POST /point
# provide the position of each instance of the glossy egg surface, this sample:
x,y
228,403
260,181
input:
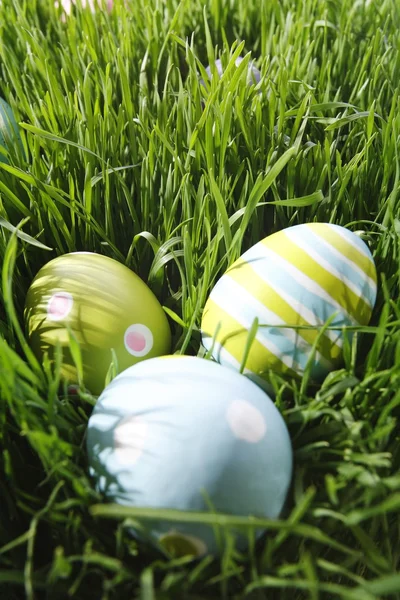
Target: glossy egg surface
x,y
105,305
176,432
304,275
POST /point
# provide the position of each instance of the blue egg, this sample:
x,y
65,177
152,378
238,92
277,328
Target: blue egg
x,y
181,432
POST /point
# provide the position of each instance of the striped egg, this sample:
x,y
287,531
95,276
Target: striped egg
x,y
304,275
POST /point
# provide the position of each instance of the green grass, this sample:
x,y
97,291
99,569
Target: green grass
x,y
121,159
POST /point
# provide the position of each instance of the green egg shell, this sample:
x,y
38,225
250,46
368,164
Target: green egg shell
x,y
105,305
9,132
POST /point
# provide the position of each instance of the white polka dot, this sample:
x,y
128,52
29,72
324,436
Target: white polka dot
x,y
59,306
138,340
129,440
246,421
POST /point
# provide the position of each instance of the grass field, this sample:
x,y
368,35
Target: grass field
x,y
127,155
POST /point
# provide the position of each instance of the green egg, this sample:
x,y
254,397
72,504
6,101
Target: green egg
x,y
104,305
9,132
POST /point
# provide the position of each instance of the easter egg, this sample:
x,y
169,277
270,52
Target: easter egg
x,y
105,305
184,433
253,75
302,276
9,132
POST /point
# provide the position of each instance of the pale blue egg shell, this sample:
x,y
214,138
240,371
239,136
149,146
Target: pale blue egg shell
x,y
189,425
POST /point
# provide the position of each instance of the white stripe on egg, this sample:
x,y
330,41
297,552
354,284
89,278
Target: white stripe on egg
x,y
222,355
298,238
308,283
239,299
351,239
308,315
370,282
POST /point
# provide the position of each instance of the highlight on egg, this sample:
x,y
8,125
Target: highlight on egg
x,y
303,276
104,305
184,433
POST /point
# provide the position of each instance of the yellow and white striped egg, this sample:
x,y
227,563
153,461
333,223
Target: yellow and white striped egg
x,y
304,275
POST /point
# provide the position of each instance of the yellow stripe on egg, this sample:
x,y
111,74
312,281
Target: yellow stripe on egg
x,y
334,287
233,336
273,301
345,247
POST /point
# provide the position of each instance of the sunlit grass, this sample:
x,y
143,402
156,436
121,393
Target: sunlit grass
x,y
129,156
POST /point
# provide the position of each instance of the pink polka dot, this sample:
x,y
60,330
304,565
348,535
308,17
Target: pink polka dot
x,y
136,341
59,306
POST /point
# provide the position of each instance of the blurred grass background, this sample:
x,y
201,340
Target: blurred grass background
x,y
126,154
